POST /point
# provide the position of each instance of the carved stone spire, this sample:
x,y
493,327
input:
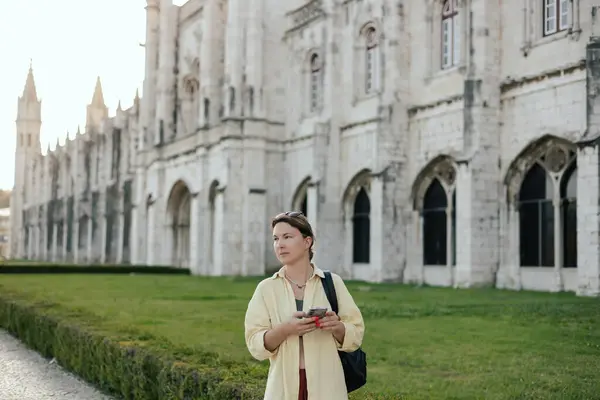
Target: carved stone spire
x,y
29,91
98,97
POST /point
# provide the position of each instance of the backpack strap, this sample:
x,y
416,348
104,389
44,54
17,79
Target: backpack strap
x,y
329,288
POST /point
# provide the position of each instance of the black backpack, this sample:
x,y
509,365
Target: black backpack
x,y
355,363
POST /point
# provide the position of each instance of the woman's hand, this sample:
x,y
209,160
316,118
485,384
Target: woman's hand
x,y
332,323
300,325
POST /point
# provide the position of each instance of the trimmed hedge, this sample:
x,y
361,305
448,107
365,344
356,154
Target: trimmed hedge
x,y
133,366
23,268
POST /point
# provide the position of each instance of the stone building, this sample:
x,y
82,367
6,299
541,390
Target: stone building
x,y
74,204
444,142
4,233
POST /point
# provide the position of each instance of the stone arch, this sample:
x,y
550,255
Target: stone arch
x,y
179,219
361,179
443,168
552,152
541,185
434,197
308,57
357,216
365,24
300,198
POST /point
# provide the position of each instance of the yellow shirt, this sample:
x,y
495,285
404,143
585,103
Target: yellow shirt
x,y
273,303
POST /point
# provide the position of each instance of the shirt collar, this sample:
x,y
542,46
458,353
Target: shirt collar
x,y
316,271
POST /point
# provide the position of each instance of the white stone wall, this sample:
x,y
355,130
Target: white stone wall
x,y
552,107
435,131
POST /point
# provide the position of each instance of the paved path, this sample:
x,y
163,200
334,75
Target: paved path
x,y
25,375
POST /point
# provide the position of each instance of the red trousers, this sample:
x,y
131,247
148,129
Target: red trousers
x,y
303,392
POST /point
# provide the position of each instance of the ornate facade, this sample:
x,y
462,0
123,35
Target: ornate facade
x,y
444,142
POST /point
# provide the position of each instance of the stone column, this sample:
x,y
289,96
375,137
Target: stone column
x,y
20,236
168,232
312,205
37,242
75,236
54,242
195,228
120,219
164,127
150,234
209,238
389,223
588,179
209,53
135,248
28,235
234,56
477,225
477,189
254,246
588,224
103,240
377,235
513,259
90,239
147,111
558,241
31,244
253,59
138,219
416,270
45,255
219,242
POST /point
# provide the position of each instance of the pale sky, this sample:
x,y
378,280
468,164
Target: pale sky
x,y
70,42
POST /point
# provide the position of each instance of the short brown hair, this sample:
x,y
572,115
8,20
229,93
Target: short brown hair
x,y
298,221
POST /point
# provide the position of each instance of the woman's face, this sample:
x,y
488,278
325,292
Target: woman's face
x,y
289,244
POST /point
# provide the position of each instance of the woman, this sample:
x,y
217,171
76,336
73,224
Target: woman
x,y
303,351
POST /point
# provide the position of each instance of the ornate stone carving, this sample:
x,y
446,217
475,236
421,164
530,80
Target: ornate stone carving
x,y
305,14
555,155
446,172
442,169
555,159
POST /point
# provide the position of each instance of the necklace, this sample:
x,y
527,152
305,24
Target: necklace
x,y
296,283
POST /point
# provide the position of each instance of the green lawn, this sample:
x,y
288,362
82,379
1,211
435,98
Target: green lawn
x,y
422,343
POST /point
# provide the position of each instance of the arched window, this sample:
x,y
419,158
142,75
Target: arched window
x,y
546,201
181,245
300,198
179,204
451,34
536,214
434,196
435,225
315,82
568,200
371,61
361,228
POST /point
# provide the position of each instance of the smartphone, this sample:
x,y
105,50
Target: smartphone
x,y
317,312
